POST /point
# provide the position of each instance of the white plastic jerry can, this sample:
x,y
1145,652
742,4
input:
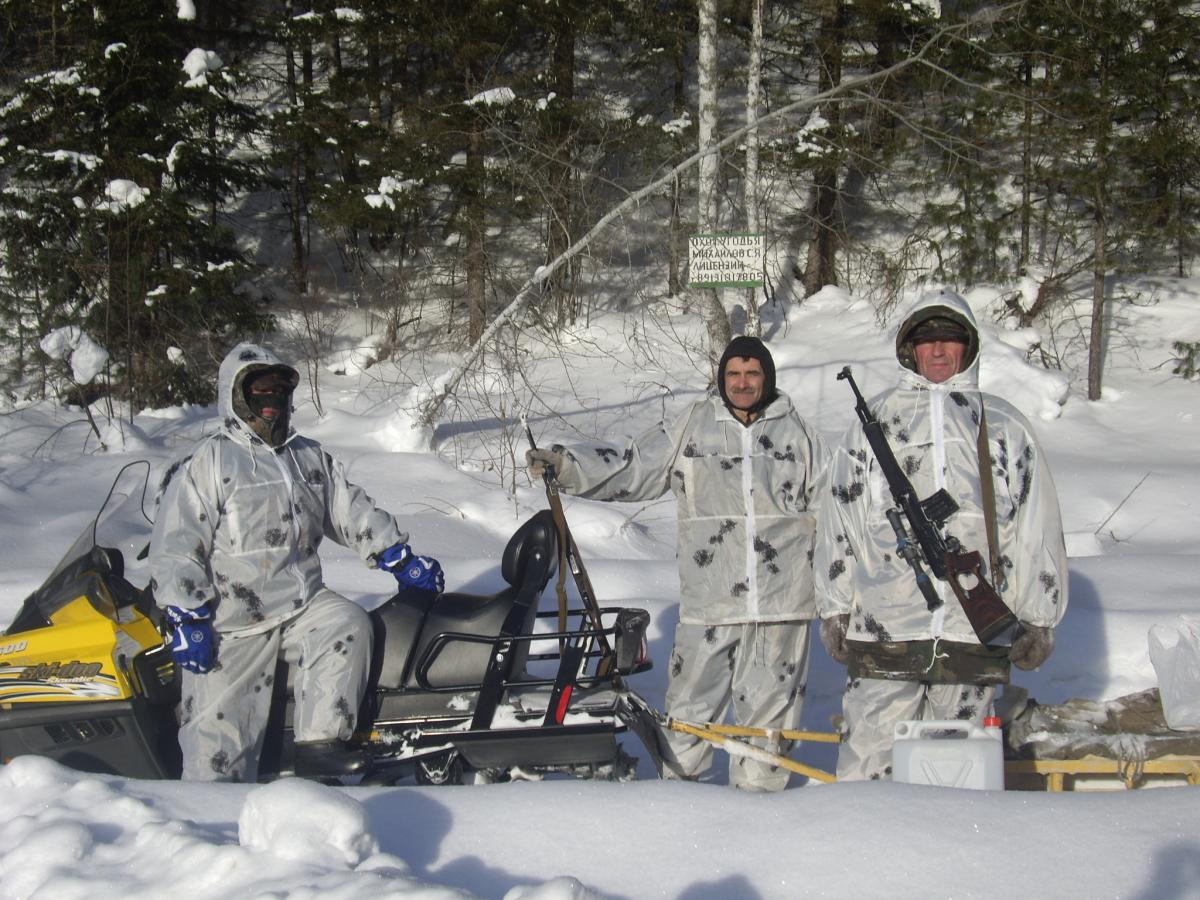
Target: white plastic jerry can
x,y
949,753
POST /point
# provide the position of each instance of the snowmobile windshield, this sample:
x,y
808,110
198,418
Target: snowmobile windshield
x,y
121,525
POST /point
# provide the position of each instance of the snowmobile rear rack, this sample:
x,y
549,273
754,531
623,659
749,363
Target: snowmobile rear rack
x,y
627,634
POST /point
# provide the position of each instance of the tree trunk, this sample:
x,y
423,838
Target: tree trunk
x,y
1097,336
716,320
821,266
334,47
889,38
476,226
753,90
562,283
677,237
1026,163
708,113
296,211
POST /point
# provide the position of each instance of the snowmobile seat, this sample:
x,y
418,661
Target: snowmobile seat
x,y
396,625
413,629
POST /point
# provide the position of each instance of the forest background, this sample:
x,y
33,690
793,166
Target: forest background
x,y
476,209
178,174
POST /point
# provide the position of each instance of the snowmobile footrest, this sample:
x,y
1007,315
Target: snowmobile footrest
x,y
546,745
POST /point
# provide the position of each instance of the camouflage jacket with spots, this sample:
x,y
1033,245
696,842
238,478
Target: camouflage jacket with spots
x,y
746,505
239,523
933,430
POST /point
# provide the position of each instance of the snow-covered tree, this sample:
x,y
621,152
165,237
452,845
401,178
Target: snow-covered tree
x,y
116,162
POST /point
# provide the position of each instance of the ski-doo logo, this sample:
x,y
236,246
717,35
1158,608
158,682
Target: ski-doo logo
x,y
16,647
57,671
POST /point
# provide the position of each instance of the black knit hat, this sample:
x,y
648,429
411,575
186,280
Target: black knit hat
x,y
746,347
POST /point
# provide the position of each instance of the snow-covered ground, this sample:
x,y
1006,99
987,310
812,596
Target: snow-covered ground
x,y
1126,471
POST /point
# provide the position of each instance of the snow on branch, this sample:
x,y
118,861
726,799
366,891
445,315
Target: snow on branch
x,y
197,64
501,96
73,345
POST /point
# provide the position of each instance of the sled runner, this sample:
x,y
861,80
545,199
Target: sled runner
x,y
461,685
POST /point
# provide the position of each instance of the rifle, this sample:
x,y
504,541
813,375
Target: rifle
x,y
568,554
946,559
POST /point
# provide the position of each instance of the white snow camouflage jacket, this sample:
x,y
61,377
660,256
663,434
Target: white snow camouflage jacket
x,y
933,431
239,522
746,505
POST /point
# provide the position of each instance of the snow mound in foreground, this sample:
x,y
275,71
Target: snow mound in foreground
x,y
562,888
305,821
74,834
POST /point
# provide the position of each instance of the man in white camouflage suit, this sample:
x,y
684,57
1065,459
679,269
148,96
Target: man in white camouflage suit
x,y
909,657
742,465
236,571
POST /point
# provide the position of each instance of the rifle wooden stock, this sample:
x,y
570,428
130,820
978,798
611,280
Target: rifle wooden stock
x,y
986,612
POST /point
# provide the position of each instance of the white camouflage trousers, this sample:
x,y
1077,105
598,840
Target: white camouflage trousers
x,y
223,714
759,668
871,707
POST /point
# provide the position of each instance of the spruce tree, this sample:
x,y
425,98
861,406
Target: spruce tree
x,y
117,163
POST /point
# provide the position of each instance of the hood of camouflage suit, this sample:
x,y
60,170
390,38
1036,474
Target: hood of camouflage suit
x,y
941,302
238,363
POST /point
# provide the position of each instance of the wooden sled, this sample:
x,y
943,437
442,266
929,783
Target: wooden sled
x,y
1101,773
1121,744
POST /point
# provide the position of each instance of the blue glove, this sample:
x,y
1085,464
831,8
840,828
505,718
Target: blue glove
x,y
192,643
424,573
411,571
395,556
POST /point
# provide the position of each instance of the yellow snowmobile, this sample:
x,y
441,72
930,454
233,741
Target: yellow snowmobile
x,y
455,685
84,675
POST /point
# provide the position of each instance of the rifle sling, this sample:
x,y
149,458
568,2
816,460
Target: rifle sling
x,y
988,488
564,535
568,558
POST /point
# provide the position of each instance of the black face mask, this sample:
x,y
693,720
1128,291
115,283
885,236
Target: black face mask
x,y
268,396
269,404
